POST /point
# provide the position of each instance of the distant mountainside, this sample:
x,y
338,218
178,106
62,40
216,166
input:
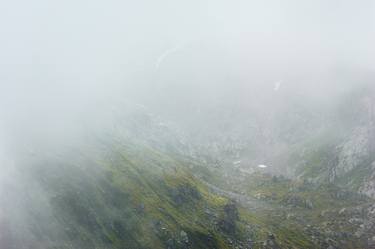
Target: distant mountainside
x,y
326,140
343,151
146,182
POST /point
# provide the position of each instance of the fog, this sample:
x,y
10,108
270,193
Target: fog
x,y
67,67
66,64
63,62
60,58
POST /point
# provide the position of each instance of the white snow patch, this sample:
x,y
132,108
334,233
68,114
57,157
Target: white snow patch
x,y
262,166
236,162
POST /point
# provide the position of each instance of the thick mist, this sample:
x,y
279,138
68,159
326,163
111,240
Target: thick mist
x,y
58,60
223,73
65,67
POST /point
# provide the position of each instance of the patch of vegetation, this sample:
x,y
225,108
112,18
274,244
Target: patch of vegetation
x,y
123,198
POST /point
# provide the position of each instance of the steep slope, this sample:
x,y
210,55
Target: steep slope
x,y
325,139
343,153
143,182
110,196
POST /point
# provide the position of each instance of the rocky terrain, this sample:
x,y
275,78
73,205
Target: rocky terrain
x,y
145,183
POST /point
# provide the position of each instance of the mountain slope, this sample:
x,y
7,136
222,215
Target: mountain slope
x,y
114,197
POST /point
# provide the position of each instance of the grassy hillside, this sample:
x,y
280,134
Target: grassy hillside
x,y
125,197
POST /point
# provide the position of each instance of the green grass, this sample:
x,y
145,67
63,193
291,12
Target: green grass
x,y
129,197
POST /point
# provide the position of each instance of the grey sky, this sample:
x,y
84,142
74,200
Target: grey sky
x,y
60,58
